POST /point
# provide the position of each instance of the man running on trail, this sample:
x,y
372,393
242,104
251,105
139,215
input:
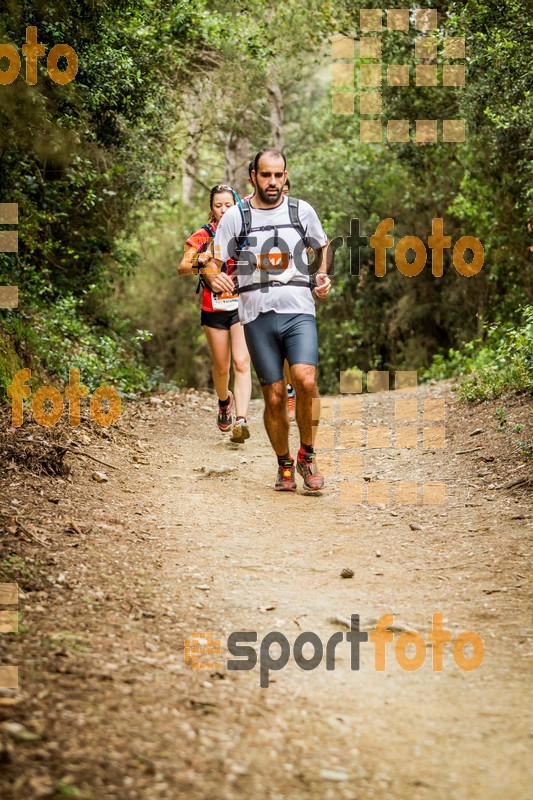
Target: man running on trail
x,y
270,235
291,394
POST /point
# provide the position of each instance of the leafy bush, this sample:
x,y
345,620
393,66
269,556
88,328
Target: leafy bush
x,y
62,339
501,363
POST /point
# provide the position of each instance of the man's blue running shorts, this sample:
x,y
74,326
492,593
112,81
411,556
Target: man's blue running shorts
x,y
272,338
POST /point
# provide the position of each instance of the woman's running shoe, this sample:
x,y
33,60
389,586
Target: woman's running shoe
x,y
240,431
285,482
306,466
224,416
291,402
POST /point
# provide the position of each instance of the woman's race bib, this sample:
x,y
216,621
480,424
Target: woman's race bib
x,y
225,301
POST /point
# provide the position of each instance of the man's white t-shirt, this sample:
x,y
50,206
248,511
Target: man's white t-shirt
x,y
289,299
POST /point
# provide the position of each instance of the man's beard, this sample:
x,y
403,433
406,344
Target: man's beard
x,y
271,199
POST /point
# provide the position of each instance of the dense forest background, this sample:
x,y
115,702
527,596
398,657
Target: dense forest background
x,y
112,171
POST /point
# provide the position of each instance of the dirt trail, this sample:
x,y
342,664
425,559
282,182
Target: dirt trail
x,y
168,546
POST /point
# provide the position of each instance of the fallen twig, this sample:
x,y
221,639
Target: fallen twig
x,y
87,455
216,471
462,563
512,483
449,566
32,536
471,450
296,620
340,621
75,527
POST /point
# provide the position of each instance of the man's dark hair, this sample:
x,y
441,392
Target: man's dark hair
x,y
250,168
271,152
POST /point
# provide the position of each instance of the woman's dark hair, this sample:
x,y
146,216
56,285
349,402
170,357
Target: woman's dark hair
x,y
272,152
219,189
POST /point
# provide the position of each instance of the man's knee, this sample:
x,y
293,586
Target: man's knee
x,y
274,395
305,381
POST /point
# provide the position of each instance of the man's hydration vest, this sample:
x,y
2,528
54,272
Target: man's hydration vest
x,y
272,268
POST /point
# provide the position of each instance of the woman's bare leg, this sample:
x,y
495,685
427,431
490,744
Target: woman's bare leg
x,y
242,388
219,345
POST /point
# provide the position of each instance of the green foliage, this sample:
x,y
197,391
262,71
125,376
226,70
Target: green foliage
x,y
526,448
60,337
10,361
64,789
479,188
501,416
176,89
78,159
454,362
499,365
166,304
68,155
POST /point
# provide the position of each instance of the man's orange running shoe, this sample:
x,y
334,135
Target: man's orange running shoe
x,y
313,480
285,482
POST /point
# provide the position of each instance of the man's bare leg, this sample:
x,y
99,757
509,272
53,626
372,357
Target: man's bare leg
x,y
304,381
275,416
303,378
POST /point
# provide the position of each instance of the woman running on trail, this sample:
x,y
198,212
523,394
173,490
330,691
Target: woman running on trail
x,y
220,321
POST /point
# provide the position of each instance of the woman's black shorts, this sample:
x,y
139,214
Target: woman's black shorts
x,y
219,319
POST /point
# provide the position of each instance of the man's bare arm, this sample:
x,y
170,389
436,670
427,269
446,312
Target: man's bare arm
x,y
324,259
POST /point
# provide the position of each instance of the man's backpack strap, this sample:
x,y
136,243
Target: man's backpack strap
x,y
246,224
294,217
246,214
310,284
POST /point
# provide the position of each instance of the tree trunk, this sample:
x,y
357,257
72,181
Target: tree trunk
x,y
237,159
190,163
276,114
